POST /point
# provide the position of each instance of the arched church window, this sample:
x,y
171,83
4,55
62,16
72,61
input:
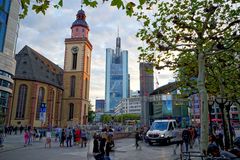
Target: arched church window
x,y
71,110
86,88
41,93
72,86
74,61
21,104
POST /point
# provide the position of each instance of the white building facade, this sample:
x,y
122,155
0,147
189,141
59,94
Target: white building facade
x,y
129,106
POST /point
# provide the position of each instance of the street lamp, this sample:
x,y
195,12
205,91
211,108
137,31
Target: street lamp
x,y
221,101
227,107
210,105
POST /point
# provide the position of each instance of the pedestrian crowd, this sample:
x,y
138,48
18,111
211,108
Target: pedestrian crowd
x,y
190,135
103,144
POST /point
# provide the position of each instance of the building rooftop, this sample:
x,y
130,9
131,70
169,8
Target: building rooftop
x,y
33,66
165,89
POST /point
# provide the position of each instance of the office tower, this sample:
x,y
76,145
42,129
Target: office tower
x,y
117,78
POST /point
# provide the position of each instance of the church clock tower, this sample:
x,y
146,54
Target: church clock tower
x,y
76,76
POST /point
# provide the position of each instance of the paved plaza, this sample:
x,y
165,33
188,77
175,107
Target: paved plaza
x,y
125,150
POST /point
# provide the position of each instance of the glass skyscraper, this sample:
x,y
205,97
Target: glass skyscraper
x,y
9,21
117,78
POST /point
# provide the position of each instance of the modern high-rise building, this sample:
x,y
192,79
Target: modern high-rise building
x,y
146,88
100,103
146,78
76,78
9,24
117,78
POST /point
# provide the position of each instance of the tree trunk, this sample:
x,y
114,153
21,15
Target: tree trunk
x,y
204,102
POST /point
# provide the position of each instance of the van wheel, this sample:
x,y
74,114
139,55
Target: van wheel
x,y
168,141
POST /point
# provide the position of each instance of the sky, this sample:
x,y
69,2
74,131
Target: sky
x,y
46,35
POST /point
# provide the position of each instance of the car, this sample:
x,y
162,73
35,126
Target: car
x,y
161,131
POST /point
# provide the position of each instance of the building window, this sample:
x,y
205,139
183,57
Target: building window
x,y
87,64
21,104
4,99
72,86
4,11
71,110
5,83
40,100
86,88
74,61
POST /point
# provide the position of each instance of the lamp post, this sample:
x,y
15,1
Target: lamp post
x,y
227,107
210,105
221,101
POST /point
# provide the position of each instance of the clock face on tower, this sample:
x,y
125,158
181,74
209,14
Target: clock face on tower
x,y
74,49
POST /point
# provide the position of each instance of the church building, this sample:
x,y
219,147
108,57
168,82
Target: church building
x,y
64,92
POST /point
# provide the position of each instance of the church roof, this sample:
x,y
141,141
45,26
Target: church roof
x,y
31,65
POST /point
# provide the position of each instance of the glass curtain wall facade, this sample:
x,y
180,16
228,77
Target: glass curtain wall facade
x,y
117,82
9,11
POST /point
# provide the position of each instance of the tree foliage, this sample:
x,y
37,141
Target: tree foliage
x,y
91,114
193,37
41,6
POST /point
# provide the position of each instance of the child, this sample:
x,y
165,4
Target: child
x,y
48,139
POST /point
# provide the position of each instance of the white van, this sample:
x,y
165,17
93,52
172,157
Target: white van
x,y
161,131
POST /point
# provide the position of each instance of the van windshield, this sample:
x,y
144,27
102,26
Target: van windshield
x,y
161,126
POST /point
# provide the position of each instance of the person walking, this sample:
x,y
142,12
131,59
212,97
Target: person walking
x,y
178,140
137,139
102,145
192,136
96,151
108,148
83,138
26,137
48,139
186,138
69,137
21,129
63,138
77,136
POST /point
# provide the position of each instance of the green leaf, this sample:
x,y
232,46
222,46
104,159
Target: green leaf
x,y
90,3
118,3
142,2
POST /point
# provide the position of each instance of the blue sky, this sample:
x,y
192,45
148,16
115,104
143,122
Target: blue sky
x,y
46,35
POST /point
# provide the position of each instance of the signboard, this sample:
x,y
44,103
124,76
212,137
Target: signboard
x,y
167,105
43,109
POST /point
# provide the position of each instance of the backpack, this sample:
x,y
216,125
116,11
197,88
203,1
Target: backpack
x,y
185,135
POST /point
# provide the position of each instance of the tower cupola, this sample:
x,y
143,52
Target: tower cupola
x,y
80,27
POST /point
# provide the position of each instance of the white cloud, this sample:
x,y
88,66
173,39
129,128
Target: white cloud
x,y
46,34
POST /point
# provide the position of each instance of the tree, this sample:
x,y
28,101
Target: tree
x,y
106,118
197,29
41,6
91,114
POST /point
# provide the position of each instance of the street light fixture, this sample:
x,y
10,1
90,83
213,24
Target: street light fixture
x,y
210,105
221,101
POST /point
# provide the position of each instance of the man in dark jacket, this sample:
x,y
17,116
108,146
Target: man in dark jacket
x,y
186,138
